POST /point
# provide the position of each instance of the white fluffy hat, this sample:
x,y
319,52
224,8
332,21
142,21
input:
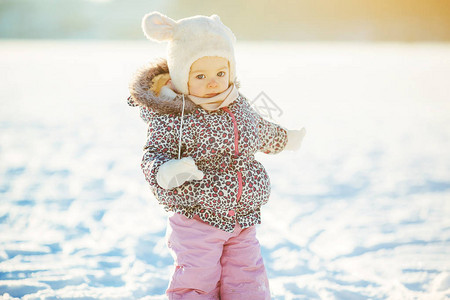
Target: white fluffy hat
x,y
190,39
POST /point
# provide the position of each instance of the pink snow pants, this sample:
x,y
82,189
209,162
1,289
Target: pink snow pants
x,y
214,264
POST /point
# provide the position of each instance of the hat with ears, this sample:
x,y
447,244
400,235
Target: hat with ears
x,y
188,40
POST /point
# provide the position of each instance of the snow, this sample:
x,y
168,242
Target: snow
x,y
361,211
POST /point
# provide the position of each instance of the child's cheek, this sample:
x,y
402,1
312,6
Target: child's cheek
x,y
196,90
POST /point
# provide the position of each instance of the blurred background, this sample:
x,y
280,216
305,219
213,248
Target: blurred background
x,y
317,20
360,212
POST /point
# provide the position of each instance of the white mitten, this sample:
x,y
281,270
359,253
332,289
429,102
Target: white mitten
x,y
177,171
294,139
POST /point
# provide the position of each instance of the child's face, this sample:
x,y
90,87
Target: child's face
x,y
209,76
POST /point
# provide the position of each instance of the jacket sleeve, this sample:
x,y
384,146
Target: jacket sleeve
x,y
161,146
272,137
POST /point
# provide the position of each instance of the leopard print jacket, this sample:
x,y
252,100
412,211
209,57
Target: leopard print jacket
x,y
222,143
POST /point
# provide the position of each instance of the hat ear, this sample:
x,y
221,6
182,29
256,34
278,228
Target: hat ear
x,y
158,27
228,31
216,18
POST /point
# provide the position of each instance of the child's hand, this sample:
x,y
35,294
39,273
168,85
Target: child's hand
x,y
294,138
177,171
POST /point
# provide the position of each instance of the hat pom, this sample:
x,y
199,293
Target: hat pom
x,y
158,27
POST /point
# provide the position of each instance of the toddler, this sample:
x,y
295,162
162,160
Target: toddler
x,y
199,159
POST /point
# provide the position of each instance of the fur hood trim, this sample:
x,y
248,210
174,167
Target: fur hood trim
x,y
141,95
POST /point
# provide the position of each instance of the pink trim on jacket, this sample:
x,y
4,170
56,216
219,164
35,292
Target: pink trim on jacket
x,y
236,150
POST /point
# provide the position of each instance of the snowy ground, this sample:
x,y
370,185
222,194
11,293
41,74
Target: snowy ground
x,y
361,212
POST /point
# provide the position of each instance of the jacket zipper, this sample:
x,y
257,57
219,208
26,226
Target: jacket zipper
x,y
236,151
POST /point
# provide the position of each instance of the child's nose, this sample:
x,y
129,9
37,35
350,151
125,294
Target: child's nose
x,y
212,83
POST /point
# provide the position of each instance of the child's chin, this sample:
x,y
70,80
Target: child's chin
x,y
210,95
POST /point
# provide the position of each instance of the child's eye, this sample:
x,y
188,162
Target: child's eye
x,y
201,76
221,74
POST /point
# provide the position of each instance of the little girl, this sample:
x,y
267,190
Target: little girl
x,y
199,159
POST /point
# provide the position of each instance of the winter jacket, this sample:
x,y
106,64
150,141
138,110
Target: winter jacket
x,y
222,143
